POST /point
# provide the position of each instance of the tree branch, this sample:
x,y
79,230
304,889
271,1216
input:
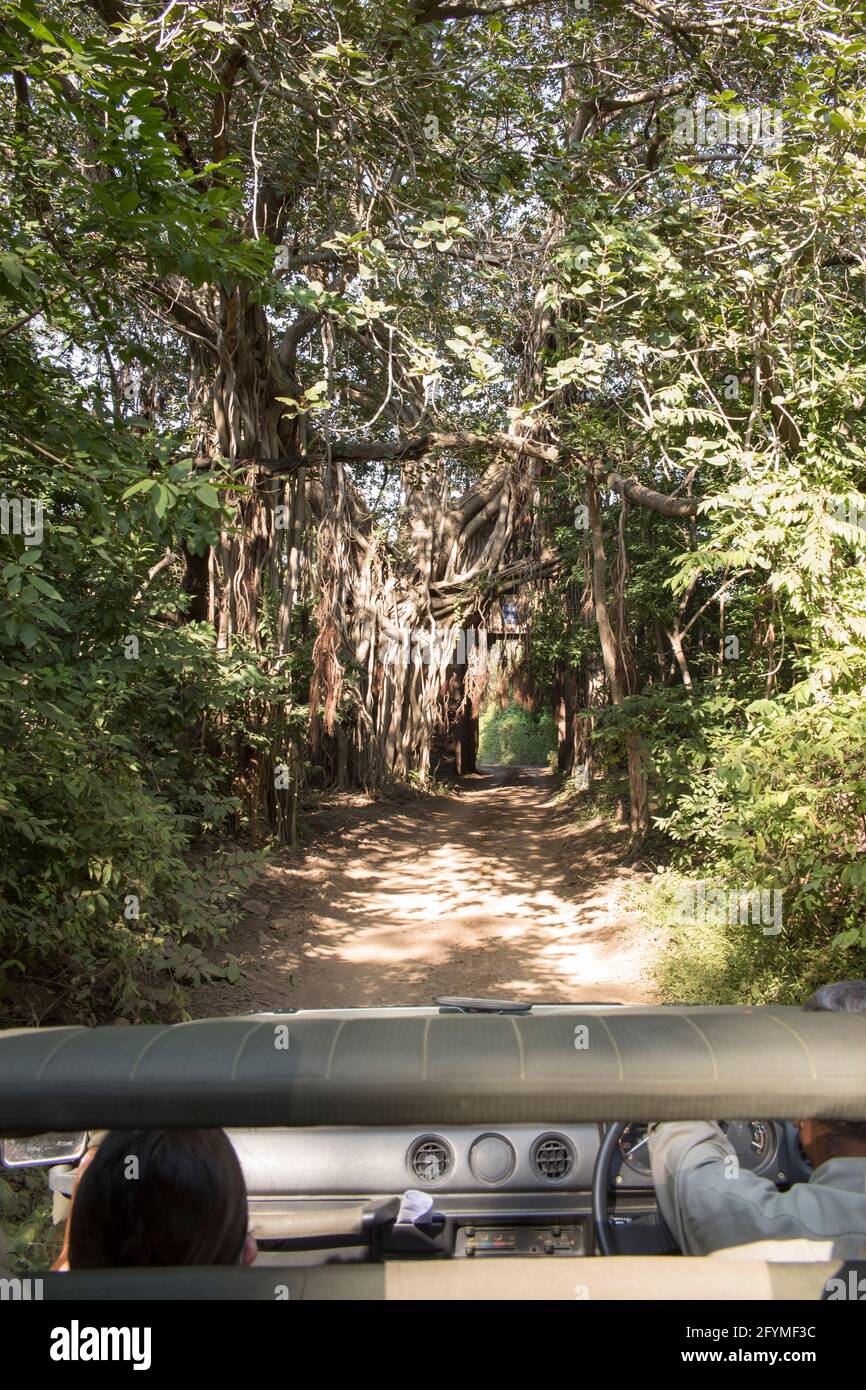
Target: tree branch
x,y
642,496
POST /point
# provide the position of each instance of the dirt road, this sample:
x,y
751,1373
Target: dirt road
x,y
491,892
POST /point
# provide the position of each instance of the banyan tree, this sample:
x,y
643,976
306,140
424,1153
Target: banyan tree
x,y
392,366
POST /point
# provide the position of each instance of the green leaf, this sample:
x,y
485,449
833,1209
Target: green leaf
x,y
143,485
209,495
12,267
45,588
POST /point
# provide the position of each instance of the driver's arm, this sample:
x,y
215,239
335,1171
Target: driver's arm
x,y
707,1199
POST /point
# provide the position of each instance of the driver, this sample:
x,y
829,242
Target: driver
x,y
693,1164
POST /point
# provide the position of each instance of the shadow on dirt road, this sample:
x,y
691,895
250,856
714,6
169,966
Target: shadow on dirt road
x,y
491,892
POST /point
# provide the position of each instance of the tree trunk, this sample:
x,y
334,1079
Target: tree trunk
x,y
637,780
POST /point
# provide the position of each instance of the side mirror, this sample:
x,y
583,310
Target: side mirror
x,y
42,1149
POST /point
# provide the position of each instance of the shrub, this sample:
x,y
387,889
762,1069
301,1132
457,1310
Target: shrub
x,y
115,781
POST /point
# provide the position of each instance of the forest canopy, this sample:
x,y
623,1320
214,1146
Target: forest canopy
x,y
328,330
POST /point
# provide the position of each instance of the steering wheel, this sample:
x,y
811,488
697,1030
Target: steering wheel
x,y
656,1235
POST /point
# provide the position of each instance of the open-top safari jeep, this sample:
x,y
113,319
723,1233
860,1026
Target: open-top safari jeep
x,y
517,1131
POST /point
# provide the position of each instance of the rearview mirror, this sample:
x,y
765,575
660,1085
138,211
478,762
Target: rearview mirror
x,y
42,1149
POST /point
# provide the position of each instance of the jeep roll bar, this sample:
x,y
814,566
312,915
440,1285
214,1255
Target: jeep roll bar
x,y
639,1064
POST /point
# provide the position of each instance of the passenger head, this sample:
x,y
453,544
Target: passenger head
x,y
156,1197
823,1139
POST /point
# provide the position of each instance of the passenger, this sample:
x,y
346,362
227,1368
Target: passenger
x,y
158,1197
706,1210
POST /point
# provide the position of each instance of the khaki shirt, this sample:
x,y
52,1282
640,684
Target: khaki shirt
x,y
711,1203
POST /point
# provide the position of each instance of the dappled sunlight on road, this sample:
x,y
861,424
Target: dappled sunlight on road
x,y
494,891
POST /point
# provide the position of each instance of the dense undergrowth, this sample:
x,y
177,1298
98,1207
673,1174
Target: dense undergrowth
x,y
126,841
761,795
29,1241
131,747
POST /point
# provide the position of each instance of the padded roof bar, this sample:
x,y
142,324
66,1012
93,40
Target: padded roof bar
x,y
265,1070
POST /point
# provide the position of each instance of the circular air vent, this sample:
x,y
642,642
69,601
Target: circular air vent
x,y
430,1159
553,1157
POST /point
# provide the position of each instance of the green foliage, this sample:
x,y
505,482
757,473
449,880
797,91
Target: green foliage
x,y
702,962
783,804
558,642
710,337
121,730
110,773
515,737
125,735
32,1242
761,794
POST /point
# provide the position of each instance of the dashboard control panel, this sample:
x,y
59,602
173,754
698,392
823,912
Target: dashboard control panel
x,y
567,1239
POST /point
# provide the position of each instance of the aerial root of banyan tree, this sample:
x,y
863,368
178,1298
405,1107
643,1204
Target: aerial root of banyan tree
x,y
388,618
388,614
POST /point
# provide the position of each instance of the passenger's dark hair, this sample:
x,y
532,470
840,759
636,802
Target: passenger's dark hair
x,y
156,1197
842,997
